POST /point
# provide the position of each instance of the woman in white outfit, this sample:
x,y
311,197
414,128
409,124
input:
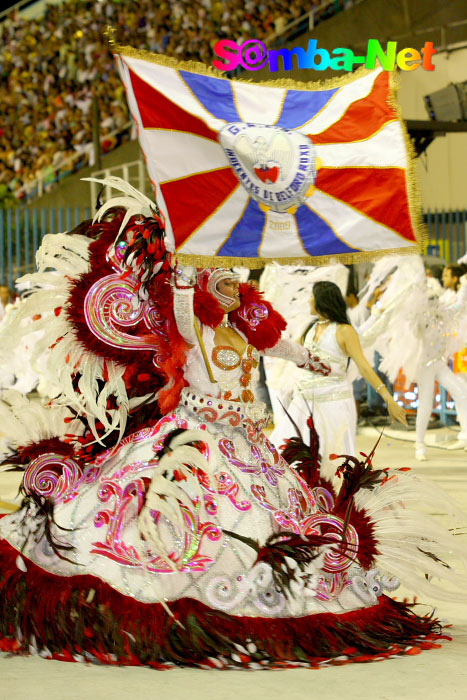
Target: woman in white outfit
x,y
330,399
443,326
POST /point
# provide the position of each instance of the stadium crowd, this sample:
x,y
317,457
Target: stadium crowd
x,y
51,67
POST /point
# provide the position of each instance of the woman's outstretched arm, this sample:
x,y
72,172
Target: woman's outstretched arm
x,y
349,341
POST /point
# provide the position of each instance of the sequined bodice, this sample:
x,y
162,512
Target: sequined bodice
x,y
234,374
237,371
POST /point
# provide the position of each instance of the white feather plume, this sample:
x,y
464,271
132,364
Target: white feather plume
x,y
24,421
166,496
135,202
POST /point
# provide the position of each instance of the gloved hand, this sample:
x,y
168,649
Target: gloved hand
x,y
185,276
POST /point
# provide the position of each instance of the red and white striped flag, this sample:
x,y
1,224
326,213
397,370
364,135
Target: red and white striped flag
x,y
246,171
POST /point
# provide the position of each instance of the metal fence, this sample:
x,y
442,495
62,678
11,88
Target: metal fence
x,y
22,229
447,232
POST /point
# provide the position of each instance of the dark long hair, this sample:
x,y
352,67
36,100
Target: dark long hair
x,y
329,303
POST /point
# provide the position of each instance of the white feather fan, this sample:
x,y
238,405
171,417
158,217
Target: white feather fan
x,y
411,543
24,421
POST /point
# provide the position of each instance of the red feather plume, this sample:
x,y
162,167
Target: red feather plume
x,y
269,330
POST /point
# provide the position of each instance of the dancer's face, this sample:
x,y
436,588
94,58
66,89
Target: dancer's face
x,y
313,309
449,280
313,306
229,288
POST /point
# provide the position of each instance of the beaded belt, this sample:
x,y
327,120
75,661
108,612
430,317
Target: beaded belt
x,y
213,410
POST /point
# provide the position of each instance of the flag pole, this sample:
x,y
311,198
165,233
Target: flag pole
x,y
203,351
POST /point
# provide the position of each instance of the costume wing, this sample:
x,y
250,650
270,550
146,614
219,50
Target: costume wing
x,y
99,330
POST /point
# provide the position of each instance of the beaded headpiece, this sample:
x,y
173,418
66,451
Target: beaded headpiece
x,y
213,278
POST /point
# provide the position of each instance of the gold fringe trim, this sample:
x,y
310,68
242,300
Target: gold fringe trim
x,y
202,261
413,189
203,69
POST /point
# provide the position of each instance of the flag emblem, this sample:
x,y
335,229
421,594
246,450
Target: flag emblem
x,y
276,166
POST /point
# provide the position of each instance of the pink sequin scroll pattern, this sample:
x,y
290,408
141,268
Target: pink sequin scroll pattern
x,y
52,475
113,302
253,314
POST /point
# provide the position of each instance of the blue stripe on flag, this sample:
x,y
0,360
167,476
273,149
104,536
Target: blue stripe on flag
x,y
317,236
302,105
245,239
215,94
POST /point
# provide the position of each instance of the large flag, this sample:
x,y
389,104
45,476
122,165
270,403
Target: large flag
x,y
253,172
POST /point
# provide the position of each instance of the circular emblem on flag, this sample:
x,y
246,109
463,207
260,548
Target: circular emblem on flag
x,y
276,166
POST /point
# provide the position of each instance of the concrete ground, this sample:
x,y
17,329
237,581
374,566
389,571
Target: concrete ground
x,y
433,675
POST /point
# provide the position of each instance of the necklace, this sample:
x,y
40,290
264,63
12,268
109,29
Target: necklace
x,y
225,322
321,323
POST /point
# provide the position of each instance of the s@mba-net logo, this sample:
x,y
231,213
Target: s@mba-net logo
x,y
253,55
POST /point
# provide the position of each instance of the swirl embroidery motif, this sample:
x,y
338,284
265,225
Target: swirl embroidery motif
x,y
226,486
112,304
259,467
253,314
128,502
57,477
298,519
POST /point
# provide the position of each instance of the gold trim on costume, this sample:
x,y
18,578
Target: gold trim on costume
x,y
222,365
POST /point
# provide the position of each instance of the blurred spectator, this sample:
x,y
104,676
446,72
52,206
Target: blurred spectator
x,y
51,67
6,298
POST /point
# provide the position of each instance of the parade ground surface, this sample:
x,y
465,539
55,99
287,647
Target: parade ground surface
x,y
434,674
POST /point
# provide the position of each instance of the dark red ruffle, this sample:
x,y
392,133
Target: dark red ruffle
x,y
32,450
268,331
81,617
